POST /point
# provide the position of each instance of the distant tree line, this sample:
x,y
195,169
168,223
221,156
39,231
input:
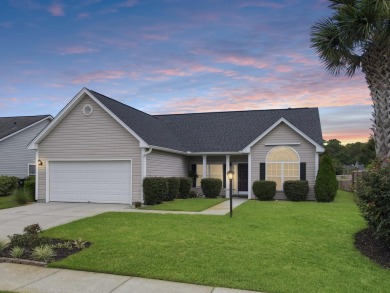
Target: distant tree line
x,y
350,154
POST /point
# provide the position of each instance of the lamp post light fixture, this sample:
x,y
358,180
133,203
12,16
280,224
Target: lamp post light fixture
x,y
230,175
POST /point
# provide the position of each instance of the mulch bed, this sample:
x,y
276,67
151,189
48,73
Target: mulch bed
x,y
377,250
61,253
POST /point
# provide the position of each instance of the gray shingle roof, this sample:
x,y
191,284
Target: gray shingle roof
x,y
214,131
10,125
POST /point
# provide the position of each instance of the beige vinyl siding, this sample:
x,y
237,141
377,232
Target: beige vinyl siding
x,y
96,137
14,155
283,134
165,164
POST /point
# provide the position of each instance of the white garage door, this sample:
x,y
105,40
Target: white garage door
x,y
90,181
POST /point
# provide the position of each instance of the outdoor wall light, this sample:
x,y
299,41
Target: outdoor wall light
x,y
230,175
40,163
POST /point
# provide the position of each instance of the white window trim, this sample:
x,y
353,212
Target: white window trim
x,y
282,167
28,169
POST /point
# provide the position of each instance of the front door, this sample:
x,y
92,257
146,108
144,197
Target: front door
x,y
242,177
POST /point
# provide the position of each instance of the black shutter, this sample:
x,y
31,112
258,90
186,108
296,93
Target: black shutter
x,y
262,171
193,171
224,176
303,171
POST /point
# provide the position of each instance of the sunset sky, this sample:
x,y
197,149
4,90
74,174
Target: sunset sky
x,y
175,56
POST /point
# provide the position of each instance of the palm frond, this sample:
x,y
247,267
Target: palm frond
x,y
335,4
334,54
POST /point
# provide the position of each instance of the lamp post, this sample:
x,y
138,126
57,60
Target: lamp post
x,y
230,175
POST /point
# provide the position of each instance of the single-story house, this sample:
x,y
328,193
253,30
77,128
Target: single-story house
x,y
15,134
99,150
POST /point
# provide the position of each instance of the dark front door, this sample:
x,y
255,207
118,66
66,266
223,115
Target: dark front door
x,y
243,177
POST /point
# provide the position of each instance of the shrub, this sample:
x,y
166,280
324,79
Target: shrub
x,y
43,253
7,185
185,187
22,196
17,252
155,190
211,187
29,239
33,229
3,245
264,190
193,194
373,192
173,188
326,182
29,185
296,190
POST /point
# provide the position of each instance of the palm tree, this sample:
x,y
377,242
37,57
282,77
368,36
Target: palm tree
x,y
357,36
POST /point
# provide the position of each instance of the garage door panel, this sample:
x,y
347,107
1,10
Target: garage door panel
x,y
92,181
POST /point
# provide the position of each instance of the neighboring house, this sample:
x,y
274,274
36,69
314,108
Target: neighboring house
x,y
15,134
99,150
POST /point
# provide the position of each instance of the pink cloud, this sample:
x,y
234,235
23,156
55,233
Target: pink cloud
x,y
155,37
243,61
101,76
56,9
83,15
76,50
128,3
255,3
283,68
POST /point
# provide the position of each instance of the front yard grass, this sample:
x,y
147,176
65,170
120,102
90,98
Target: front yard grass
x,y
188,205
267,246
8,201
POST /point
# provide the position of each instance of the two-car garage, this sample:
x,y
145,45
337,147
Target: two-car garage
x,y
89,181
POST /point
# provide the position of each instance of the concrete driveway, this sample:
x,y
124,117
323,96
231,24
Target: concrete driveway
x,y
48,215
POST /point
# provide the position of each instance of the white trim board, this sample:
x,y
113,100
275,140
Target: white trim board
x,y
69,107
27,127
319,149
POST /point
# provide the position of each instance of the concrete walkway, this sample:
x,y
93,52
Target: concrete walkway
x,y
30,279
220,209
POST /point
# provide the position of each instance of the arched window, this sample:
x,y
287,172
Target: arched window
x,y
282,164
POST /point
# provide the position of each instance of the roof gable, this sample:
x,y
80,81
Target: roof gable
x,y
200,132
10,126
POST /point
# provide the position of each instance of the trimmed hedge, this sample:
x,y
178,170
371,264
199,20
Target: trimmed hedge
x,y
193,194
373,191
155,190
173,188
29,185
264,190
211,187
326,182
296,190
7,184
185,187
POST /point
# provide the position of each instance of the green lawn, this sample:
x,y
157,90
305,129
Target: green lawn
x,y
267,246
188,205
8,202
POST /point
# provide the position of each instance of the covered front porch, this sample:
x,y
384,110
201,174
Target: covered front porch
x,y
216,166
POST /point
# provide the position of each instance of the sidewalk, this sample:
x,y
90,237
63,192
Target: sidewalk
x,y
220,209
31,279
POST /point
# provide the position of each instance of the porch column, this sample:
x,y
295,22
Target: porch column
x,y
227,179
249,176
204,166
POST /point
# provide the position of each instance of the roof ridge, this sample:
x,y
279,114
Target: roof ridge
x,y
119,102
221,112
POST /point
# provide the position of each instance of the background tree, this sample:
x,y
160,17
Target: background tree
x,y
357,36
